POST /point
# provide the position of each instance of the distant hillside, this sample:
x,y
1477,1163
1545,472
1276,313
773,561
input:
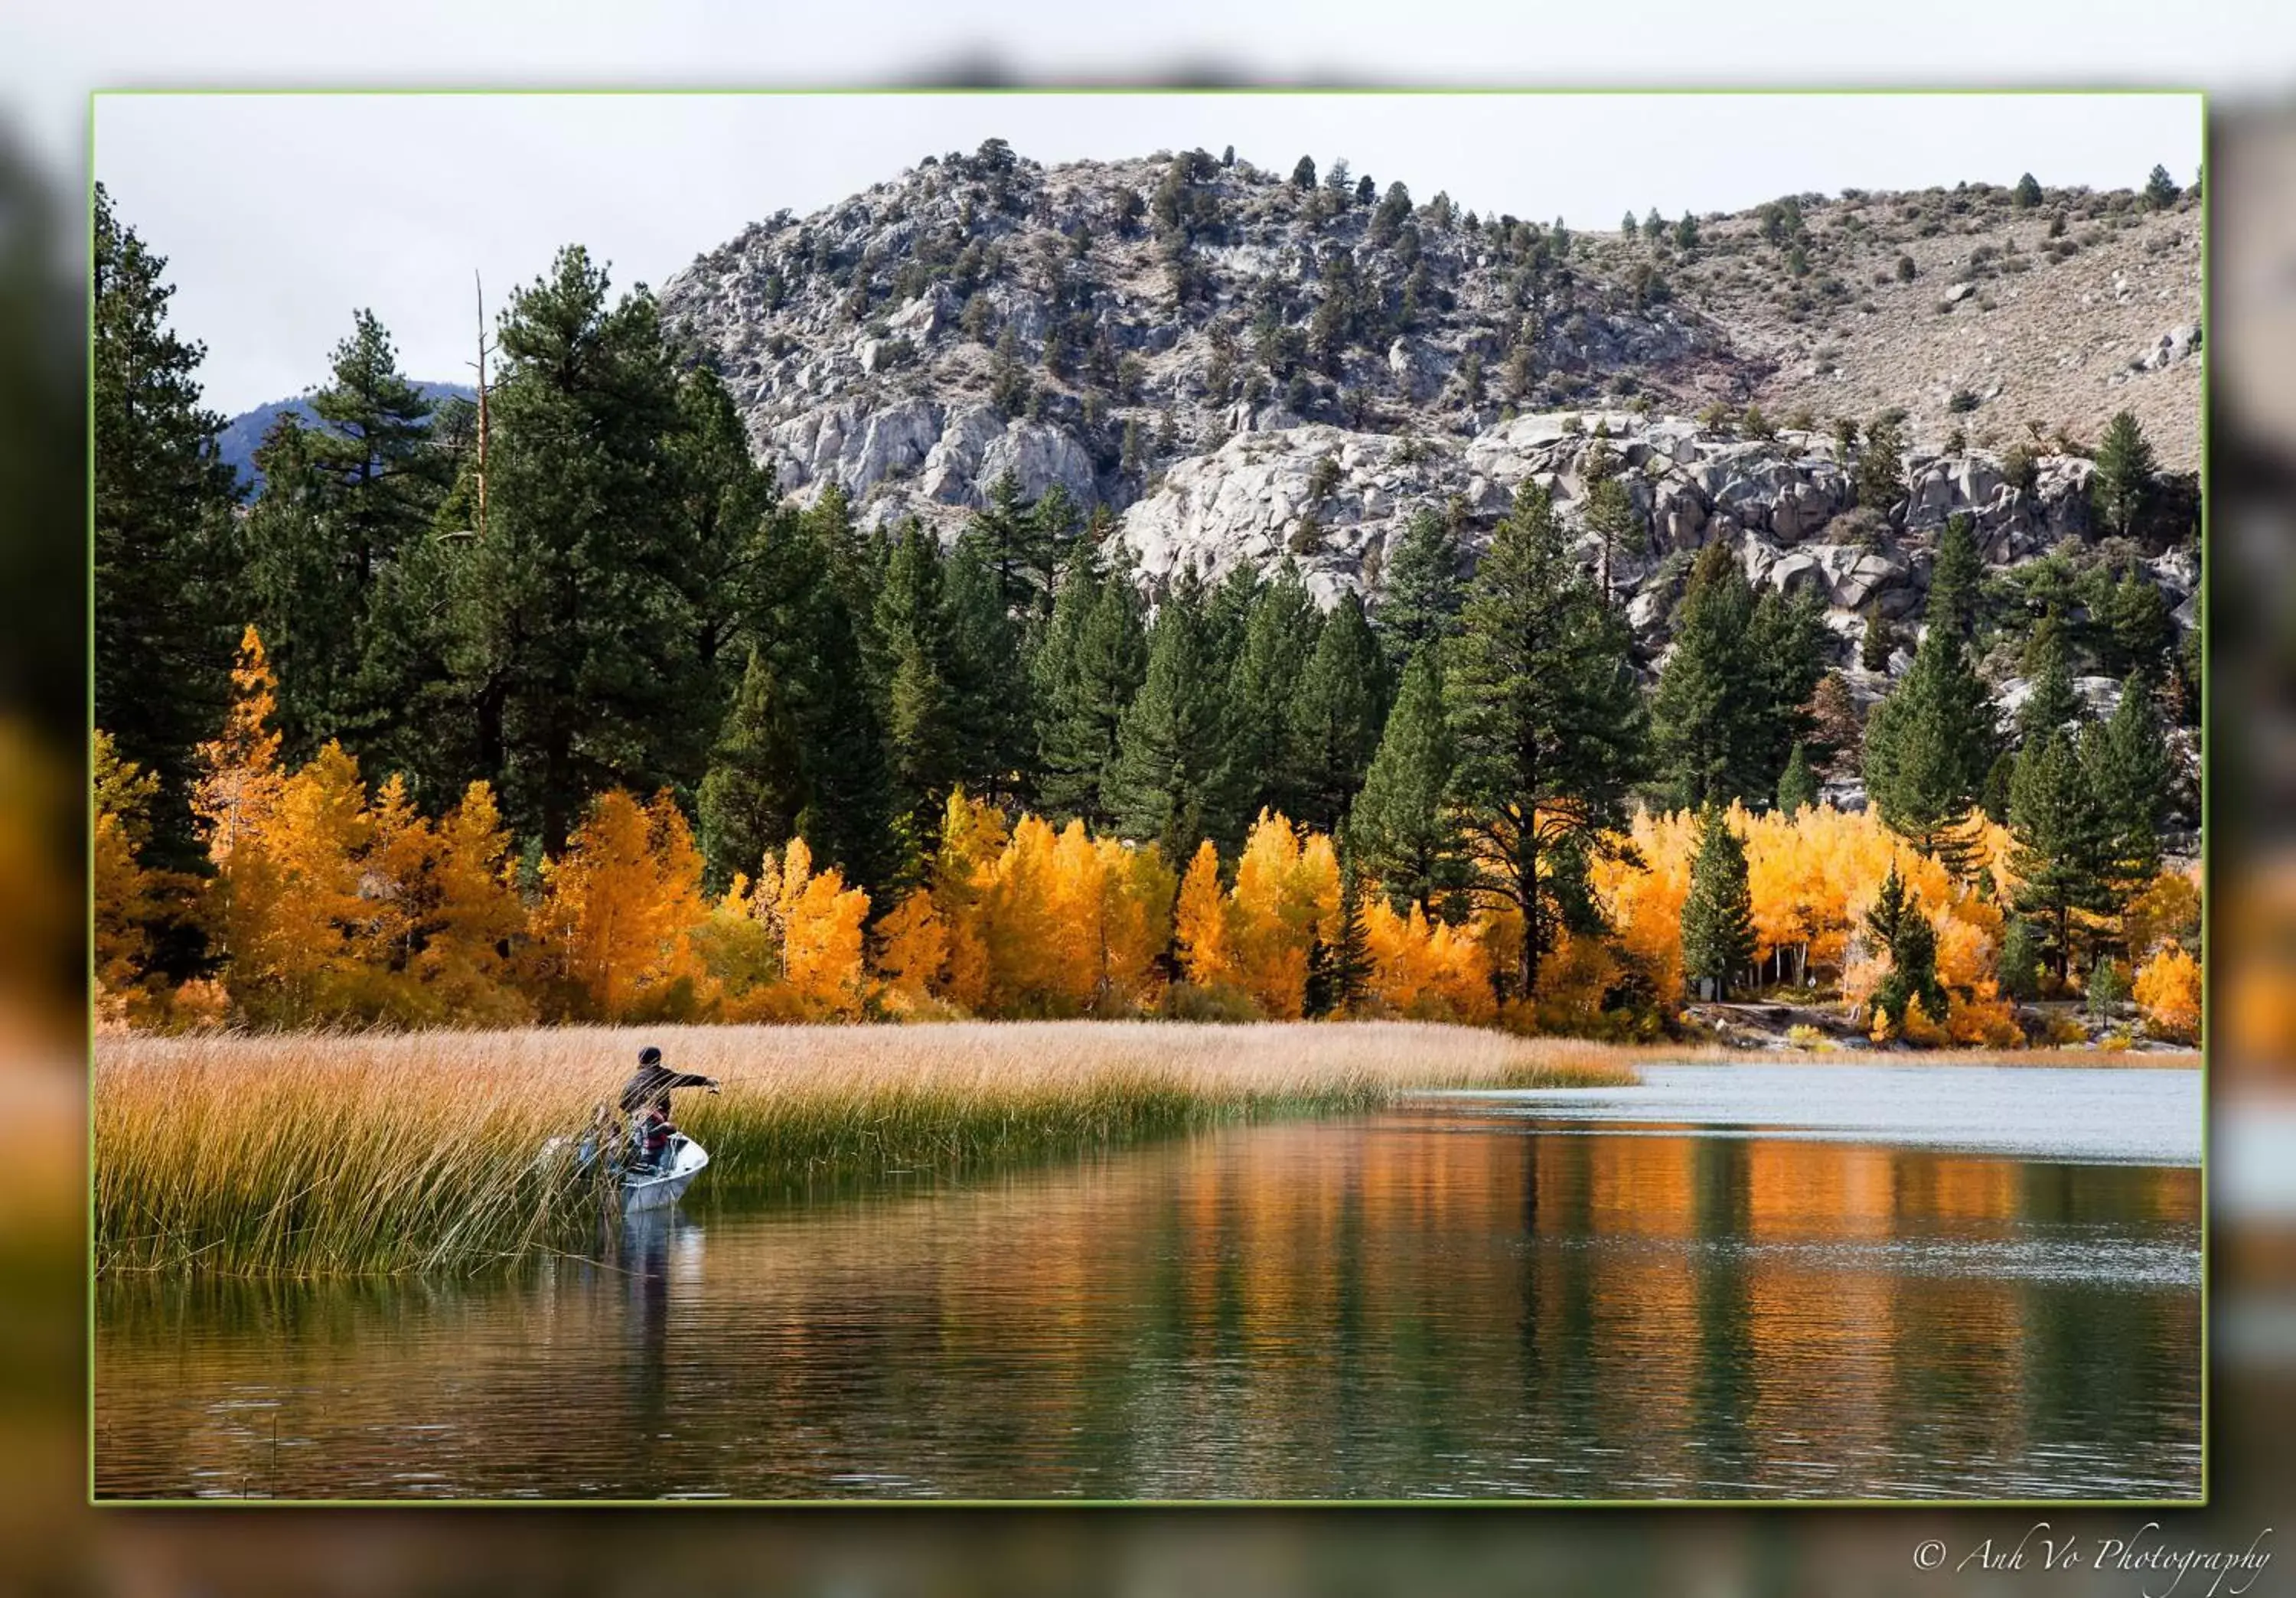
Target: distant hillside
x,y
1098,323
244,435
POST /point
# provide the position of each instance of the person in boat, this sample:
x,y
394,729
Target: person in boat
x,y
645,1097
654,1133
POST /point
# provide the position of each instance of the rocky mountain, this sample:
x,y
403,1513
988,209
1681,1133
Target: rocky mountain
x,y
1241,364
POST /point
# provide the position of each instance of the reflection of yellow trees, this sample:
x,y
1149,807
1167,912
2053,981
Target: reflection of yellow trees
x,y
1283,1288
1794,1188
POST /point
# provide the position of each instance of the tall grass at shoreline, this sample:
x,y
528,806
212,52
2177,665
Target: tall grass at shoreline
x,y
321,1154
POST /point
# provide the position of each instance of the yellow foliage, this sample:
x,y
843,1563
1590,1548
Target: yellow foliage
x,y
239,780
1134,924
821,921
289,900
914,944
1571,982
1426,970
1036,922
470,913
1645,905
1287,885
1199,920
972,837
2167,910
1921,1031
2168,990
619,904
121,888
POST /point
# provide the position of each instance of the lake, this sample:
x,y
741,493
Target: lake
x,y
1792,1282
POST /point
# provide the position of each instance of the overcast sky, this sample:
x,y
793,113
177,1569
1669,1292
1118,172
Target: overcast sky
x,y
281,214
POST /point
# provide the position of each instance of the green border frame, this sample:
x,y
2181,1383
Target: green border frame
x,y
2207,815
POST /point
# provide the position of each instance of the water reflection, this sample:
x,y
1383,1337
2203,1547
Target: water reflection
x,y
1425,1305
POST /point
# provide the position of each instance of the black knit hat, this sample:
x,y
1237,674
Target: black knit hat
x,y
649,1055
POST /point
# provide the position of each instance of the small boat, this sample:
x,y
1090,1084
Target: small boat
x,y
645,1185
660,1187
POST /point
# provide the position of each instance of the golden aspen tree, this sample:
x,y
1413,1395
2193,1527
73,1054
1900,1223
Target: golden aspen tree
x,y
1644,903
2168,990
294,957
472,915
1199,920
234,797
1285,887
1573,980
972,840
738,946
1135,920
913,943
619,906
398,880
121,888
2167,910
1427,970
822,922
1035,963
239,776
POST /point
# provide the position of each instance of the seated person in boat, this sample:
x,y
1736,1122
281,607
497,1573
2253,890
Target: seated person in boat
x,y
654,1133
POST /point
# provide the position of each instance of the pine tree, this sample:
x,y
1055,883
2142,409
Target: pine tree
x,y
1340,964
165,554
1732,701
1052,535
1796,787
1928,748
1421,595
2020,963
1786,647
990,678
1548,720
1955,577
1094,654
2161,189
1718,914
2027,193
1878,643
1279,634
1880,476
342,502
1401,829
1169,783
2126,761
921,714
1611,517
813,640
2123,484
573,641
2131,626
1913,967
1005,536
2061,852
1334,717
755,788
724,526
2053,702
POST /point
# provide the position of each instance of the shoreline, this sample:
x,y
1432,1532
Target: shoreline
x,y
375,1154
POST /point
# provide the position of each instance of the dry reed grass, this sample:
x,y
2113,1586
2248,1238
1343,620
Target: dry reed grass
x,y
347,1154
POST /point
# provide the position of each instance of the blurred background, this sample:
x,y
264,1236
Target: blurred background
x,y
50,1542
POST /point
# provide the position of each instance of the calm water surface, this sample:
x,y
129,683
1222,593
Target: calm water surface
x,y
1731,1282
